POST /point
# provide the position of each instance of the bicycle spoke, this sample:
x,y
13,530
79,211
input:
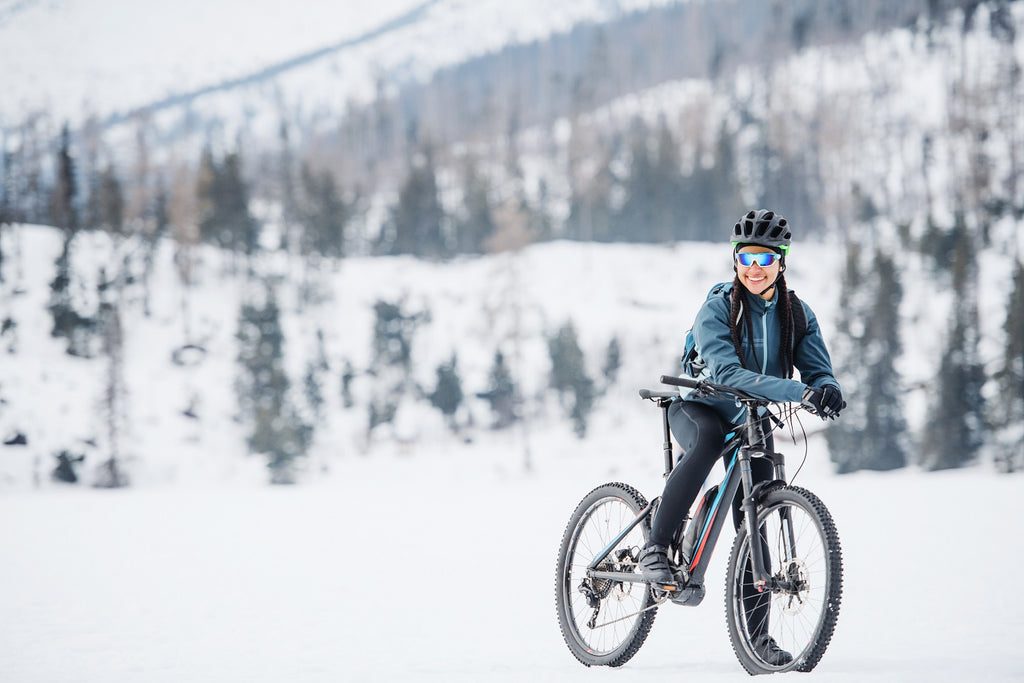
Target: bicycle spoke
x,y
613,631
800,612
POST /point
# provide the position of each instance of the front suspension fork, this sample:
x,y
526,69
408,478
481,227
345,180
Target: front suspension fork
x,y
761,578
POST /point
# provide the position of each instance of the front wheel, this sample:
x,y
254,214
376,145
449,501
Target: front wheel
x,y
789,625
603,622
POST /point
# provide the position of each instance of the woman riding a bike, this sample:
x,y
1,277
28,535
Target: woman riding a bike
x,y
748,336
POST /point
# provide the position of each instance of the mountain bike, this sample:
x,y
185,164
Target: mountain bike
x,y
784,577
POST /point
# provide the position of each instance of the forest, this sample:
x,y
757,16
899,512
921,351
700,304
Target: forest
x,y
661,127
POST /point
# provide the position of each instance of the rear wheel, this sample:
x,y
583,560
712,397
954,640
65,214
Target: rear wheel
x,y
799,610
603,622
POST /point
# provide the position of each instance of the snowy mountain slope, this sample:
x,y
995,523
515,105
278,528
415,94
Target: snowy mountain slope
x,y
73,57
645,296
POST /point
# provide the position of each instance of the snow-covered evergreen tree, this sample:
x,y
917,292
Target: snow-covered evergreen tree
x,y
276,428
871,434
576,390
1009,403
447,394
955,430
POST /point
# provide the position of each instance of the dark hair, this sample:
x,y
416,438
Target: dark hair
x,y
740,309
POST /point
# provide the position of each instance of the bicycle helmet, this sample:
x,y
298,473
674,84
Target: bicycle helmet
x,y
763,228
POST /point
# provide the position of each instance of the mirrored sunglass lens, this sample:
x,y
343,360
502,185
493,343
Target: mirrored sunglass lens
x,y
761,259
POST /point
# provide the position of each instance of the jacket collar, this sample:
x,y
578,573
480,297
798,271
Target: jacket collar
x,y
759,306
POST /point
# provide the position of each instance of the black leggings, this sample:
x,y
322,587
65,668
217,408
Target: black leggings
x,y
700,433
701,436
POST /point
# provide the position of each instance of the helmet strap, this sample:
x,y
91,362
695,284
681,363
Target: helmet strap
x,y
782,269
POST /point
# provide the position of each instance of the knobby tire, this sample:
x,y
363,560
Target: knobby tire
x,y
627,609
802,610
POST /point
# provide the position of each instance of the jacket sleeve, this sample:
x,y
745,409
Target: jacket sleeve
x,y
714,343
811,356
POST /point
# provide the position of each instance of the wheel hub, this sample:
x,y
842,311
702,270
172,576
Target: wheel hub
x,y
793,586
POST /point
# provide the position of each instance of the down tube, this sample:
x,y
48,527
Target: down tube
x,y
716,518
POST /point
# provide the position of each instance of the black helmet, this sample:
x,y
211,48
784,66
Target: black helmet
x,y
764,228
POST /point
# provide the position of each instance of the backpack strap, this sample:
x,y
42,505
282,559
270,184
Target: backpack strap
x,y
799,319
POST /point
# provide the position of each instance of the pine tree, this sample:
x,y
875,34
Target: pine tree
x,y
1010,381
208,218
324,215
416,224
612,362
68,323
6,204
569,377
637,219
392,335
348,374
64,198
584,396
234,200
263,388
954,432
151,240
110,473
473,229
111,201
590,211
500,393
285,176
312,386
224,217
393,331
447,395
871,433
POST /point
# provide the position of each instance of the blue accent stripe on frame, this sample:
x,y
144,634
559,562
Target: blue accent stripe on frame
x,y
718,498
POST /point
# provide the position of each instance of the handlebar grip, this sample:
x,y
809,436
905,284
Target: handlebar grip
x,y
679,381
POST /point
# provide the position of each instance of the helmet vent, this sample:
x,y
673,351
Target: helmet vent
x,y
764,228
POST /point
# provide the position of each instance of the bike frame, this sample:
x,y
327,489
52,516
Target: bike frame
x,y
741,446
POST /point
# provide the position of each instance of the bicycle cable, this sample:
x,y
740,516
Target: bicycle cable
x,y
789,413
795,415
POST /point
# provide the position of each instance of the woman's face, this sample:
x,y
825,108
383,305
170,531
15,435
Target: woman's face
x,y
756,277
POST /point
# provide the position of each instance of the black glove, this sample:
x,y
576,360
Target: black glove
x,y
825,402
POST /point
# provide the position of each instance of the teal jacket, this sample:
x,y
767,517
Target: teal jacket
x,y
760,374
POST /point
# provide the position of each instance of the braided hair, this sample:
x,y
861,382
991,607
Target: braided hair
x,y
739,317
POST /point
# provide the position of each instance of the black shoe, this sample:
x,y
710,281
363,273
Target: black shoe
x,y
656,570
769,651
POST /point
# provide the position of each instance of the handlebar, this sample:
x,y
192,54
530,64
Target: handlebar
x,y
679,381
707,388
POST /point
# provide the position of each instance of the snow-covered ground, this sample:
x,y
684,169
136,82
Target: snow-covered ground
x,y
439,566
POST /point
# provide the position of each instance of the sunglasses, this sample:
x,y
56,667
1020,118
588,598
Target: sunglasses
x,y
763,259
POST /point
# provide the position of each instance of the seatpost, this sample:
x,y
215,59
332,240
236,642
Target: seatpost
x,y
664,403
